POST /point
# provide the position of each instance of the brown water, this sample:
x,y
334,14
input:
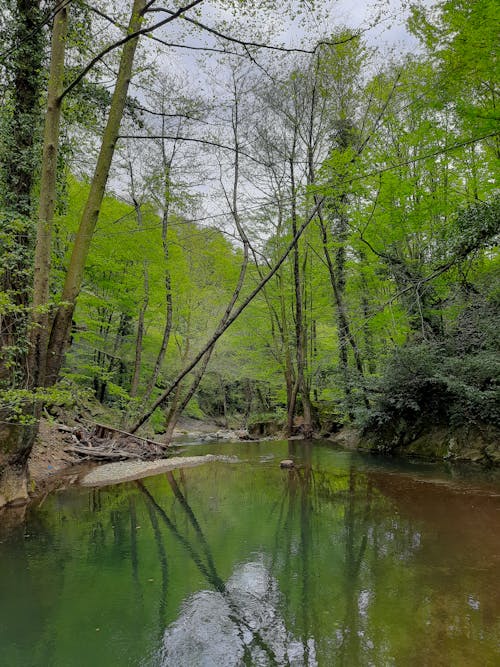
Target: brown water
x,y
347,560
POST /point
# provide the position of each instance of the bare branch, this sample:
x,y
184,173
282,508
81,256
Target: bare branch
x,y
259,45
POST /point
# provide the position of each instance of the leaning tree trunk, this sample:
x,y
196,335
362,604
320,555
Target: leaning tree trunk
x,y
61,327
221,329
179,405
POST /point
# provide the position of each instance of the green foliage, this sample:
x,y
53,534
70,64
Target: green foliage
x,y
18,405
452,381
410,219
477,226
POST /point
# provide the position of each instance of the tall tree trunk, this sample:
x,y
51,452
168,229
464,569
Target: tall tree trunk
x,y
18,162
300,329
145,301
17,172
169,308
367,332
140,333
345,335
39,324
61,327
233,205
16,444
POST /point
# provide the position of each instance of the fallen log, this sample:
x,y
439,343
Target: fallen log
x,y
101,442
103,454
65,429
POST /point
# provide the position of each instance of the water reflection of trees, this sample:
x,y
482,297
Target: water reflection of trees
x,y
307,494
201,554
342,571
310,500
338,561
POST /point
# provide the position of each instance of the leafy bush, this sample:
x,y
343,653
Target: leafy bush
x,y
452,381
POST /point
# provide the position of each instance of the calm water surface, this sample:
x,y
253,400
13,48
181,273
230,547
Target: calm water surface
x,y
345,561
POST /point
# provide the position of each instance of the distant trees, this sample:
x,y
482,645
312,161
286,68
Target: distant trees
x,y
342,203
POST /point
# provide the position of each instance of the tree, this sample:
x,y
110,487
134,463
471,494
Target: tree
x,y
20,125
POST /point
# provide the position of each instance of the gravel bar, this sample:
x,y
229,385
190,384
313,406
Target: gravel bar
x,y
124,471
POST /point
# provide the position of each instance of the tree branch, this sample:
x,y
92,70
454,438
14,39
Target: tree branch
x,y
259,45
124,40
221,329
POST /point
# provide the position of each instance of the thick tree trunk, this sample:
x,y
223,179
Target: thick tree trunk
x,y
39,323
17,440
17,173
18,161
15,447
61,327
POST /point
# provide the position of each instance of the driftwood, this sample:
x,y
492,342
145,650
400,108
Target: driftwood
x,y
101,442
96,453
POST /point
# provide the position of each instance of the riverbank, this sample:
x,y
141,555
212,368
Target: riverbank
x,y
51,466
126,471
472,443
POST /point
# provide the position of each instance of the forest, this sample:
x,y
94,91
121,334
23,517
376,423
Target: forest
x,y
202,216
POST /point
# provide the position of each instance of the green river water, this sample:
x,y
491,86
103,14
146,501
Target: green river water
x,y
346,560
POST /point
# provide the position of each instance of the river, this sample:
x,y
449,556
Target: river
x,y
346,560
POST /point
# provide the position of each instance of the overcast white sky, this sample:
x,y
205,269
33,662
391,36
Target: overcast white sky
x,y
275,27
279,28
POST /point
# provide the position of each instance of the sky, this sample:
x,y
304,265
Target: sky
x,y
275,27
278,27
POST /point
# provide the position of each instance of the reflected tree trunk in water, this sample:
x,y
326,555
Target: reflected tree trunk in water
x,y
162,557
134,559
355,528
209,571
296,506
194,522
306,483
217,583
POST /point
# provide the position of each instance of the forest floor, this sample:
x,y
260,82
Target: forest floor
x,y
48,457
